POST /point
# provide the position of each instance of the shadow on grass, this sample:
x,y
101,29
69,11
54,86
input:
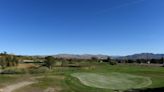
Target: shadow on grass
x,y
148,90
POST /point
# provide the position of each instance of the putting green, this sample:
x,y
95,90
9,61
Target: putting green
x,y
116,81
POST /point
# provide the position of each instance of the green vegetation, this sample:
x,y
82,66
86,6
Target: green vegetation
x,y
116,81
51,74
7,60
49,61
61,79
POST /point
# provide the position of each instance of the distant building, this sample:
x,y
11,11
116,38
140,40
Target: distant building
x,y
28,61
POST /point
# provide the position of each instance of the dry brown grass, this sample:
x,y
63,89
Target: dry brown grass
x,y
25,66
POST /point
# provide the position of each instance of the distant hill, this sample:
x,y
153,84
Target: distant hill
x,y
143,56
84,56
89,56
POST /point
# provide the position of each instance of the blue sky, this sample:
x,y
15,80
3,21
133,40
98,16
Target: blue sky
x,y
113,27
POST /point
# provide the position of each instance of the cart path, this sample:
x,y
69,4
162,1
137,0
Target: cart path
x,y
13,87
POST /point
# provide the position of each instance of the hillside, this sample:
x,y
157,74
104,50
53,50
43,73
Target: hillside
x,y
143,56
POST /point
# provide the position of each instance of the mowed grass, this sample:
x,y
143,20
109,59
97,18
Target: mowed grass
x,y
147,77
115,81
60,78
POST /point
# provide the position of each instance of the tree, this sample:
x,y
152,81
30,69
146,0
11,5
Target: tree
x,y
49,61
162,60
7,60
3,62
94,59
3,53
15,61
107,60
110,61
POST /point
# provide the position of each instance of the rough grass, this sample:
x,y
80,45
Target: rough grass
x,y
11,79
59,78
115,81
47,83
25,66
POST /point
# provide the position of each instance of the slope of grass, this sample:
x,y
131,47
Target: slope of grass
x,y
61,80
116,81
156,74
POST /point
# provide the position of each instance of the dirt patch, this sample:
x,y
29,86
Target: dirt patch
x,y
13,87
25,66
56,89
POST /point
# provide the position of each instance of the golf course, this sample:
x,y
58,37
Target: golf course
x,y
116,81
94,78
81,45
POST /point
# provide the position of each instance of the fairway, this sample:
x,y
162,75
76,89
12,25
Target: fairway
x,y
115,81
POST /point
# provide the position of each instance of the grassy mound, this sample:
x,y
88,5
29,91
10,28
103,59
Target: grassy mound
x,y
115,81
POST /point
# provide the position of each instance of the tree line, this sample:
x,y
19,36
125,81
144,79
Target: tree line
x,y
139,61
8,60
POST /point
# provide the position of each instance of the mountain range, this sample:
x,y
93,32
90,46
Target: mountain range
x,y
84,56
143,56
134,56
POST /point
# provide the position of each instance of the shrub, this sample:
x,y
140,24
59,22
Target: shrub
x,y
14,71
38,70
112,63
